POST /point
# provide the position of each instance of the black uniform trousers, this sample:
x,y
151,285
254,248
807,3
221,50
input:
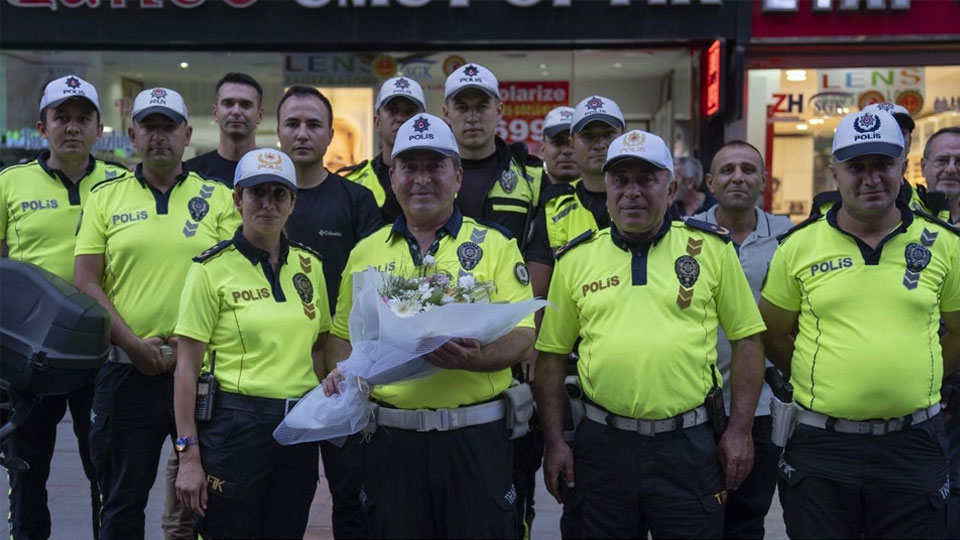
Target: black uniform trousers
x,y
34,442
343,467
527,457
132,416
451,484
747,506
256,488
626,484
844,485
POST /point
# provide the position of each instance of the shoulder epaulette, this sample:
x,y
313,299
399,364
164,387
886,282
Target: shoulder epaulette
x,y
708,227
583,237
822,199
212,179
935,201
350,168
211,251
812,218
104,182
555,190
306,248
497,227
930,217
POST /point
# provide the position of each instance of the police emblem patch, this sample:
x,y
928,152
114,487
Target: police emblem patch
x,y
868,123
523,275
886,106
595,104
687,269
198,208
471,71
159,93
508,181
304,288
73,82
401,83
918,257
566,116
469,255
421,124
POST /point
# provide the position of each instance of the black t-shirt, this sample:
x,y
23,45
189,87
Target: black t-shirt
x,y
538,250
707,204
391,208
331,218
213,165
478,175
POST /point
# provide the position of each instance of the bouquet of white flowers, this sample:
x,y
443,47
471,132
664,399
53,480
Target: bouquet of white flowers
x,y
394,322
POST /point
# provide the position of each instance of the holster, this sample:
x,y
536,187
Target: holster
x,y
574,392
784,419
520,407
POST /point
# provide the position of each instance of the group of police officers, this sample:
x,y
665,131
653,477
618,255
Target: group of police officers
x,y
229,281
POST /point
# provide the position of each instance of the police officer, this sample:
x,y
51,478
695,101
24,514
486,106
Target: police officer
x,y
867,282
399,99
456,482
136,237
332,214
646,297
238,111
559,164
570,210
40,202
736,179
258,302
501,183
690,198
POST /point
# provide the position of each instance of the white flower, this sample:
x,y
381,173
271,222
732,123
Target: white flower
x,y
466,281
404,308
429,260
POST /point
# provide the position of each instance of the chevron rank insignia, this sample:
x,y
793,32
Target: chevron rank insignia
x,y
694,246
190,228
684,298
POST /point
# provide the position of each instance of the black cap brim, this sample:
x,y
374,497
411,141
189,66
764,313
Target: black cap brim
x,y
165,111
605,118
863,149
557,129
905,121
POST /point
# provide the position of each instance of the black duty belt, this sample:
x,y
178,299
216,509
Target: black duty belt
x,y
254,404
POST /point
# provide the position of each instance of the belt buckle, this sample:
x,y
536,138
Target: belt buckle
x,y
289,404
646,428
430,420
879,427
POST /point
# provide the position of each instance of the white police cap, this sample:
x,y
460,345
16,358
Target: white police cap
x,y
425,132
401,87
160,101
599,108
638,144
867,132
557,121
265,165
472,76
59,90
899,112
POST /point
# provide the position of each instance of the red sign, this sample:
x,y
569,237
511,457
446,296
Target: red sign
x,y
524,106
712,86
922,18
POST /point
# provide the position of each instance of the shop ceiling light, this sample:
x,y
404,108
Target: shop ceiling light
x,y
545,73
184,65
802,127
816,121
796,75
107,129
543,66
617,65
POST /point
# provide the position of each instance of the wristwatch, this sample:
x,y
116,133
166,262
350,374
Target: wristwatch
x,y
182,443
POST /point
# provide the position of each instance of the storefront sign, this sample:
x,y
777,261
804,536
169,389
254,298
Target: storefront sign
x,y
903,86
352,25
331,69
712,105
854,20
943,104
120,4
524,106
831,103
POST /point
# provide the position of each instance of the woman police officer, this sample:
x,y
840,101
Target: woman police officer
x,y
254,312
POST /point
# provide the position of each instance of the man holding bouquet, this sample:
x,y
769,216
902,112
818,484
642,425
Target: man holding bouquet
x,y
439,463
